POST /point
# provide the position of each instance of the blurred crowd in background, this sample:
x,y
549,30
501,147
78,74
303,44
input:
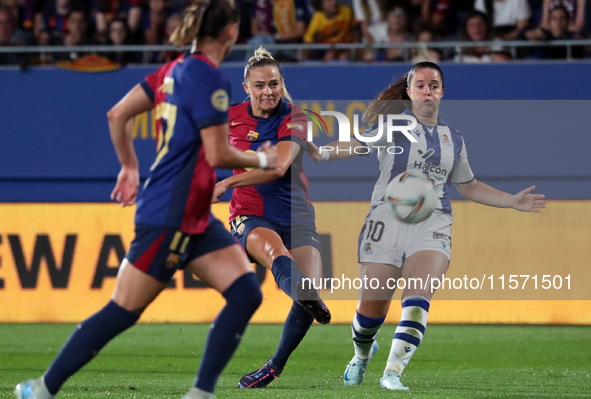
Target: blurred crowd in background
x,y
263,22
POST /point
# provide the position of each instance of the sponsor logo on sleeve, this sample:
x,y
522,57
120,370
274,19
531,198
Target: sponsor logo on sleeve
x,y
220,100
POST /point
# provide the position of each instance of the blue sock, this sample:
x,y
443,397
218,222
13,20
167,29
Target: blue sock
x,y
243,298
296,326
86,341
286,273
365,331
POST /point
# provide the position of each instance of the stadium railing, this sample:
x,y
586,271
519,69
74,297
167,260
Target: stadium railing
x,y
455,47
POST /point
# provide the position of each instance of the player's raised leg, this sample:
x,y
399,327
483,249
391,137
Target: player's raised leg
x,y
303,311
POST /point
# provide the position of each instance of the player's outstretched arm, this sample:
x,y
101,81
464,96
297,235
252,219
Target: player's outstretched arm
x,y
287,151
120,118
335,151
220,154
484,194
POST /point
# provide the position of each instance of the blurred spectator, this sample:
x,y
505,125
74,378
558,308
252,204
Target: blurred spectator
x,y
332,23
172,23
23,15
278,21
76,30
398,32
18,36
432,13
509,17
7,37
119,36
558,25
246,9
50,22
426,34
576,14
477,28
154,21
371,15
131,10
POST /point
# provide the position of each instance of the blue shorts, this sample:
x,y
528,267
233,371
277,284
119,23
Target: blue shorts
x,y
160,251
292,235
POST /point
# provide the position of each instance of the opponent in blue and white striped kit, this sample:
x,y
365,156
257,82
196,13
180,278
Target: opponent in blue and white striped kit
x,y
441,154
390,249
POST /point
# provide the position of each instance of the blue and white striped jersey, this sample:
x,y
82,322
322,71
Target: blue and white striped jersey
x,y
439,153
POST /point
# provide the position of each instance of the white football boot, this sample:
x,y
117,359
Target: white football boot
x,y
355,370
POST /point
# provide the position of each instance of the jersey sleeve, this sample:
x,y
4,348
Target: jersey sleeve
x,y
207,98
150,84
462,172
294,128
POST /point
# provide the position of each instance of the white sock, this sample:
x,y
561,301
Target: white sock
x,y
40,389
409,333
196,393
365,331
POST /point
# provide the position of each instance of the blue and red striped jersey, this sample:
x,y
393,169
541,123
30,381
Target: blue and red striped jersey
x,y
189,94
285,199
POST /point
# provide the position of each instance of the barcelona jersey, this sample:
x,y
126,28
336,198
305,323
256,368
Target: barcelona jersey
x,y
285,199
189,94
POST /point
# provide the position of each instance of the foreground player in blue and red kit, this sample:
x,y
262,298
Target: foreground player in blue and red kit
x,y
270,213
174,225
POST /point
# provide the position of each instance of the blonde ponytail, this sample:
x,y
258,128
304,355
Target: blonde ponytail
x,y
261,58
189,30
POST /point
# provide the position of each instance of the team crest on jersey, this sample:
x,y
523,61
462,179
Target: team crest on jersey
x,y
368,249
240,229
252,135
172,260
446,140
220,100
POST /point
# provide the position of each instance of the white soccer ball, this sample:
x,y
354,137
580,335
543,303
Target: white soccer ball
x,y
411,196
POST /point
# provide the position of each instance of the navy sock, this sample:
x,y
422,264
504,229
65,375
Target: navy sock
x,y
243,299
86,341
296,326
286,274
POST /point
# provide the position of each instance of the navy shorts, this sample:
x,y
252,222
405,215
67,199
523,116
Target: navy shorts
x,y
160,251
292,235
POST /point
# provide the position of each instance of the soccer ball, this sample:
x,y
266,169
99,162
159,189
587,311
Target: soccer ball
x,y
411,196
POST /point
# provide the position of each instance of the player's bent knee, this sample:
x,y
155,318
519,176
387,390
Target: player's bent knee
x,y
245,292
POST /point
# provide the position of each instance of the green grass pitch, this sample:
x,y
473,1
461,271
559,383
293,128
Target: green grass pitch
x,y
159,361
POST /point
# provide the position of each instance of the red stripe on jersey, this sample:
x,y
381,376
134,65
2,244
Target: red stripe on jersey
x,y
156,80
305,181
197,210
246,201
143,263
